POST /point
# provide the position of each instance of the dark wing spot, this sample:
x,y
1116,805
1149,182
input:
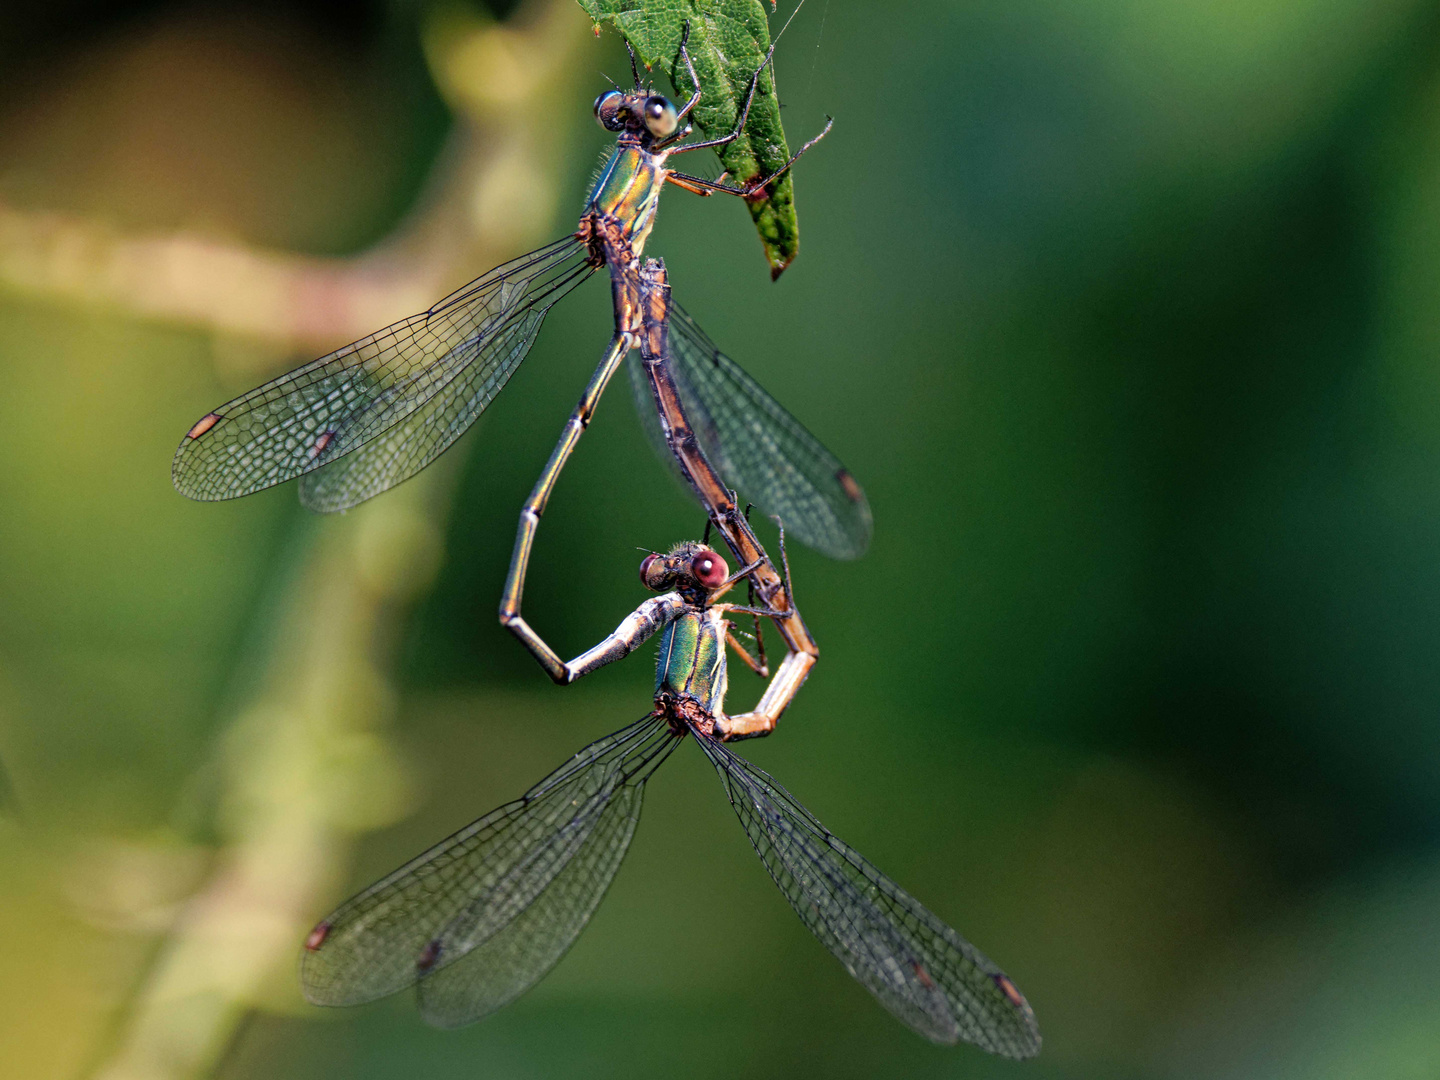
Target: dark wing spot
x,y
325,439
429,956
1008,989
849,486
317,936
923,975
204,424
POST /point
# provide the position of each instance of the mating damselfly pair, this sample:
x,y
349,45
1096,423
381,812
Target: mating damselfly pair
x,y
484,915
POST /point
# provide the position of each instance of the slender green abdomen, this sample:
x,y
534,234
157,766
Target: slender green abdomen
x,y
692,660
627,190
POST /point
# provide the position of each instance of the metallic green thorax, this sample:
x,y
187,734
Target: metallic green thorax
x,y
692,659
628,191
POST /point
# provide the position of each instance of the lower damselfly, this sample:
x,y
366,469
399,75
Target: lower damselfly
x,y
356,422
481,917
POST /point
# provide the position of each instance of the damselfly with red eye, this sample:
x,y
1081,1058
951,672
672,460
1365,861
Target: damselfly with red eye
x,y
481,917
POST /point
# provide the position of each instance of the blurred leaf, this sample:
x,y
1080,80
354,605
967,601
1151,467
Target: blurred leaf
x,y
728,41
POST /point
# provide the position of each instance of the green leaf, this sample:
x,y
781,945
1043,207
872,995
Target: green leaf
x,y
728,40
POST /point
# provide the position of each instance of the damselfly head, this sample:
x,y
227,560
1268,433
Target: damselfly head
x,y
607,110
708,568
661,118
693,569
640,111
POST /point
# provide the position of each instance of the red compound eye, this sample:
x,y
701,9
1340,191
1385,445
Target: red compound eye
x,y
709,569
645,565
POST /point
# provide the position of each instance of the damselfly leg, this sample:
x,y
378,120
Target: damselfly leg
x,y
700,186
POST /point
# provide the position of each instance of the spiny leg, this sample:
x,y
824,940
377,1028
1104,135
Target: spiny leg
x,y
745,571
682,129
725,140
701,186
534,507
694,84
785,564
754,663
801,652
759,629
760,639
695,95
750,598
793,670
758,612
695,188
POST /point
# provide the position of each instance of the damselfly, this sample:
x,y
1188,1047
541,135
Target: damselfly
x,y
481,917
374,413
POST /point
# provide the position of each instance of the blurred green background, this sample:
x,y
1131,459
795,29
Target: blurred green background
x,y
1124,313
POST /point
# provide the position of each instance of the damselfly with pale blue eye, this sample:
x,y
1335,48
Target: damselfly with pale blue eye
x,y
481,917
354,423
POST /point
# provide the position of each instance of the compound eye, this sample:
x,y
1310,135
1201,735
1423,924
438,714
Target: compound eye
x,y
651,575
660,116
607,110
709,569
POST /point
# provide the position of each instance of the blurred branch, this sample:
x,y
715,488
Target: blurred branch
x,y
306,767
490,194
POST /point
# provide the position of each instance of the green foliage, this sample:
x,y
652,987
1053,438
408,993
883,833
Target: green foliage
x,y
728,40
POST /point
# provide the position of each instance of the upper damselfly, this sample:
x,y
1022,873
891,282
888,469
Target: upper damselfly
x,y
481,917
374,413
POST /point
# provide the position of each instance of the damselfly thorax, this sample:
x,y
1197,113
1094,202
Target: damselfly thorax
x,y
621,209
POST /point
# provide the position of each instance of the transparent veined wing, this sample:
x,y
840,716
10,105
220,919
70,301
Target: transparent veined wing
x,y
917,967
518,954
482,916
419,383
756,446
407,447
